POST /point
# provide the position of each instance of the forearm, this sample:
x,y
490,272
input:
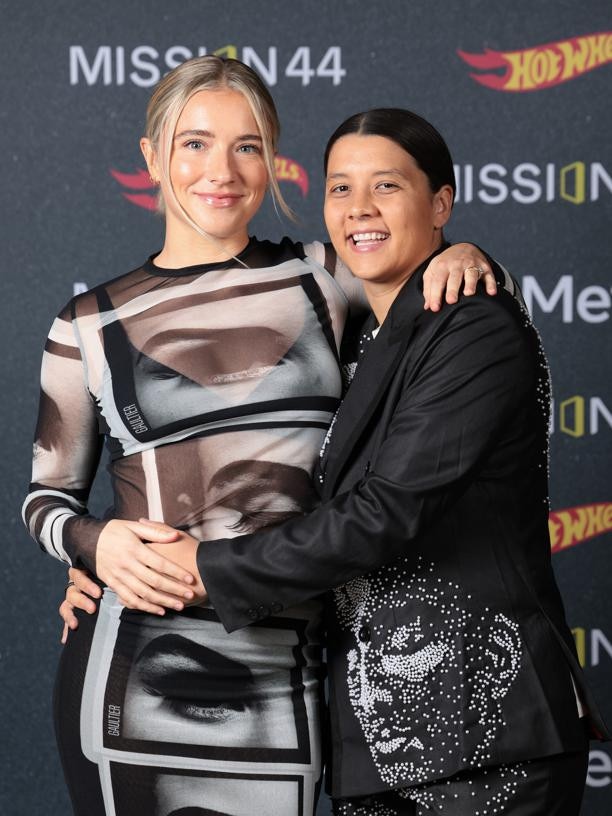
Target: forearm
x,y
472,380
80,536
353,534
60,524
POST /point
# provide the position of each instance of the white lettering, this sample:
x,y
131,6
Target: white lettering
x,y
599,763
550,182
299,66
564,292
149,68
331,65
597,407
268,72
111,64
464,180
520,176
469,183
598,172
532,182
487,179
176,55
590,299
103,62
599,639
120,64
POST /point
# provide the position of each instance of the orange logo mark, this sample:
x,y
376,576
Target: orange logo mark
x,y
577,524
144,192
543,66
137,181
289,170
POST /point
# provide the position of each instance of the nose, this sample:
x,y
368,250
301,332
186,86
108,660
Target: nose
x,y
219,167
362,206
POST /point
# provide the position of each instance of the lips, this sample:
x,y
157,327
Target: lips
x,y
219,199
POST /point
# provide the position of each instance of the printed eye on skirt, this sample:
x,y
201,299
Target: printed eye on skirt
x,y
166,713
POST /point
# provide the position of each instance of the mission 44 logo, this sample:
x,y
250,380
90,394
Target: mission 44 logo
x,y
145,65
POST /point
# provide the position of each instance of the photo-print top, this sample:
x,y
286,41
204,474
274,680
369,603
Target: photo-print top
x,y
213,386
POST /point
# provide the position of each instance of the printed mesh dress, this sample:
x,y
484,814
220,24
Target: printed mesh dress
x,y
213,386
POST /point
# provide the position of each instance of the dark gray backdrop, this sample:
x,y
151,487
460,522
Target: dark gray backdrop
x,y
75,80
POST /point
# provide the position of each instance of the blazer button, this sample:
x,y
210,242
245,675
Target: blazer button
x,y
252,613
364,634
263,611
276,607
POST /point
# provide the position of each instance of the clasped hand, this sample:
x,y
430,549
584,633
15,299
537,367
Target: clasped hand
x,y
149,565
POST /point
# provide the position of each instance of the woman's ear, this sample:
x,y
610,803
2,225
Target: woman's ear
x,y
151,159
442,205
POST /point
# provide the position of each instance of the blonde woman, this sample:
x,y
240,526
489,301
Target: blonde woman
x,y
212,372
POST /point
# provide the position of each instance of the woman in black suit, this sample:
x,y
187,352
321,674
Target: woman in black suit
x,y
455,688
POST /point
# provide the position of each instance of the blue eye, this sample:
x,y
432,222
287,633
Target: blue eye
x,y
249,148
194,144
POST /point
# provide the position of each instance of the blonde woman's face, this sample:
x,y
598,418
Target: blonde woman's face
x,y
217,166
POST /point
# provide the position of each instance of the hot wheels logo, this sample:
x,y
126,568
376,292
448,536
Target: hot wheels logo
x,y
577,524
139,189
138,181
289,170
543,66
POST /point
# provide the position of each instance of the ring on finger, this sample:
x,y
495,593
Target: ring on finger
x,y
478,269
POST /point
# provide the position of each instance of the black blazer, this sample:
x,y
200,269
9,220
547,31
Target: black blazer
x,y
447,641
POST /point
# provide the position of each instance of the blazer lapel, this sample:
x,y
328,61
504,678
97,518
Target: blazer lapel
x,y
374,373
373,376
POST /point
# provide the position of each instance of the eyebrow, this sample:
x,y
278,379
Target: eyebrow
x,y
208,134
392,171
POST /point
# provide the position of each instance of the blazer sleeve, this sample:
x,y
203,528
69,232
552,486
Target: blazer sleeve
x,y
478,369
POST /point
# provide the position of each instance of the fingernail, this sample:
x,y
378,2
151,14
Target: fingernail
x,y
178,606
188,595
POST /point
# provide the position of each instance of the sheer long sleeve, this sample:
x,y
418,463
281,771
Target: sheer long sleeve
x,y
352,287
67,448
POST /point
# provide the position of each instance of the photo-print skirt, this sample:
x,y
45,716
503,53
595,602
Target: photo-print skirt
x,y
180,718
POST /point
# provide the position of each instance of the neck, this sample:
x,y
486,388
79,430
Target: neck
x,y
381,294
183,246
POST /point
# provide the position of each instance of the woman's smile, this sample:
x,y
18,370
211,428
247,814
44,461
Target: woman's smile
x,y
367,241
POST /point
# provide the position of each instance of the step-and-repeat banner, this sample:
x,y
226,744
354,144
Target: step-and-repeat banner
x,y
521,92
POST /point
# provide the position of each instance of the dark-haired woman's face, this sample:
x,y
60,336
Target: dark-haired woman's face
x,y
381,215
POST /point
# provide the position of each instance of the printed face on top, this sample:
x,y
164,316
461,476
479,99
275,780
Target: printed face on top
x,y
206,351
